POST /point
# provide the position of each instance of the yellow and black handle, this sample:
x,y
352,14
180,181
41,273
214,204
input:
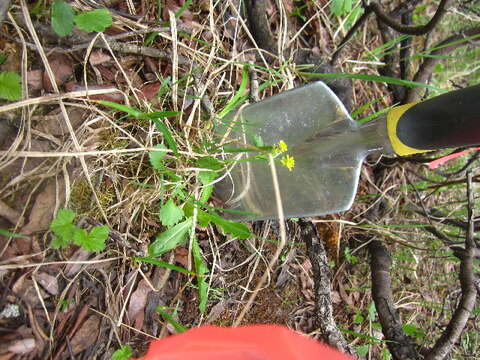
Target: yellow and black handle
x,y
445,121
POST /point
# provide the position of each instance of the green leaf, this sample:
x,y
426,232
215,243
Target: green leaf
x,y
10,86
179,328
372,312
124,353
237,229
203,218
7,233
201,269
358,318
206,177
170,239
63,228
93,241
129,110
209,162
62,18
362,350
336,7
170,214
97,20
413,331
238,98
156,157
160,114
167,135
163,264
98,235
258,141
376,78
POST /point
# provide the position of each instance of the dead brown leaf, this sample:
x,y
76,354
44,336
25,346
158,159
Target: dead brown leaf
x,y
22,346
54,123
62,67
42,212
98,57
137,303
8,213
86,336
149,91
175,5
79,255
48,282
35,79
181,256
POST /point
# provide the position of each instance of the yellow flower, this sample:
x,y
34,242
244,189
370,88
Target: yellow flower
x,y
280,147
288,161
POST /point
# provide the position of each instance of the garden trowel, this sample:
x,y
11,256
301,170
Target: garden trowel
x,y
328,147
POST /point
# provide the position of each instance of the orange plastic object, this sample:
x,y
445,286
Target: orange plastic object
x,y
257,342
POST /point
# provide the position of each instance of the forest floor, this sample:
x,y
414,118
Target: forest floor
x,y
61,148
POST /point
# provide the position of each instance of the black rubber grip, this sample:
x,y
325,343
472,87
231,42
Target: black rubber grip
x,y
445,121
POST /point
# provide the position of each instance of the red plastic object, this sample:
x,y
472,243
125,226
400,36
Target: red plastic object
x,y
257,342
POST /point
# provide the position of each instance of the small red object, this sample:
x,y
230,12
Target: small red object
x,y
255,342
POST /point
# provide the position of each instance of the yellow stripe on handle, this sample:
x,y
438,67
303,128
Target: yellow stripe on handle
x,y
393,117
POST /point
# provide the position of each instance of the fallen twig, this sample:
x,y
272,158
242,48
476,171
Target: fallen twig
x,y
323,302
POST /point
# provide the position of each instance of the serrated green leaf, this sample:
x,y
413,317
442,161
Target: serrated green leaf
x,y
63,228
98,235
124,353
163,264
97,20
10,86
62,18
63,240
206,193
93,241
201,269
167,135
170,214
156,157
170,239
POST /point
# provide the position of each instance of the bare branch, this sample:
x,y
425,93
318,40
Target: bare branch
x,y
455,327
410,29
441,49
397,341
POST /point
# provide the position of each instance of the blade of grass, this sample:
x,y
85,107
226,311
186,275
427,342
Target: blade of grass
x,y
179,328
164,264
201,269
235,101
376,78
7,233
167,135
